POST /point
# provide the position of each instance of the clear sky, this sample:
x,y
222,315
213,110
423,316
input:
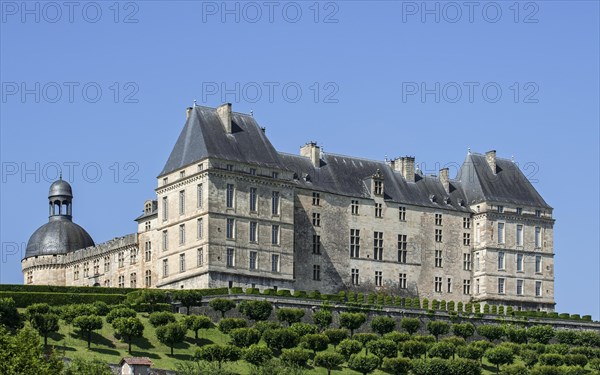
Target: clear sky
x,y
100,89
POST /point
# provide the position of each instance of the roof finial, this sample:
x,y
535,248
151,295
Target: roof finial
x,y
251,113
194,102
60,175
469,151
512,158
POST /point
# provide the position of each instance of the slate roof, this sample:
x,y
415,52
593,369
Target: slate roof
x,y
136,361
204,136
58,236
507,185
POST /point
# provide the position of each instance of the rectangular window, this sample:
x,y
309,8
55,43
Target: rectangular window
x,y
200,257
438,258
378,278
402,281
519,262
538,237
501,263
519,235
121,281
253,199
200,195
538,213
378,187
467,261
165,180
438,235
165,240
182,202
230,232
501,282
316,244
466,223
181,174
538,288
378,245
449,285
354,243
275,174
476,286
274,262
466,239
378,210
133,256
316,199
230,257
165,209
402,248
182,234
519,287
500,233
200,167
107,264
200,228
476,261
538,264
467,287
477,234
438,219
147,225
148,277
121,259
275,235
316,219
500,209
86,269
253,231
253,171
253,259
354,207
181,262
402,213
316,272
519,211
438,284
355,276
230,195
165,267
275,203
230,167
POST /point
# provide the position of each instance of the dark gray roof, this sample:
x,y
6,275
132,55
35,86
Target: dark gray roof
x,y
351,176
59,236
60,188
204,136
507,185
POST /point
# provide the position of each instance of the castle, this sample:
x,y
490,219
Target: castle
x,y
231,211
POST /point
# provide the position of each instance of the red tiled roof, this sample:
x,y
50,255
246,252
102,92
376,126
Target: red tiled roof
x,y
137,361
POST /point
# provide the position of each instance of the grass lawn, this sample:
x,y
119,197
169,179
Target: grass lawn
x,y
107,348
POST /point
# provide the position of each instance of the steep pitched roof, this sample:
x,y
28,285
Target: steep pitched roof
x,y
204,136
508,184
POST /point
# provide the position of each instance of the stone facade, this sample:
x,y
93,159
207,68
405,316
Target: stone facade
x,y
323,222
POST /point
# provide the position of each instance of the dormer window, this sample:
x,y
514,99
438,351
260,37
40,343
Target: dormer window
x,y
230,167
165,180
275,174
182,174
378,187
538,213
253,171
148,208
433,198
519,211
447,200
500,209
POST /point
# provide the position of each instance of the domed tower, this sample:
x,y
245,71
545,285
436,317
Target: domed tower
x,y
44,257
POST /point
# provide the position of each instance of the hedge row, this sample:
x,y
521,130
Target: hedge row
x,y
24,299
63,289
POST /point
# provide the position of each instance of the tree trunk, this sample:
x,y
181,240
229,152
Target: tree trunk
x,y
187,310
171,349
45,340
497,369
196,335
129,343
89,337
328,371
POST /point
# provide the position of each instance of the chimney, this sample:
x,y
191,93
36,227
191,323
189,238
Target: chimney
x,y
445,179
188,112
224,112
312,151
490,157
406,166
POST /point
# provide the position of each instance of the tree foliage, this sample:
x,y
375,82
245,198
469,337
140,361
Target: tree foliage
x,y
188,298
328,360
323,319
410,325
244,337
222,305
352,321
128,328
161,318
197,322
81,366
383,324
364,364
437,328
289,315
88,324
280,338
218,353
23,354
317,342
336,335
171,334
256,310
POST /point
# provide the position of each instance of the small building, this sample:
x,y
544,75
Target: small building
x,y
135,366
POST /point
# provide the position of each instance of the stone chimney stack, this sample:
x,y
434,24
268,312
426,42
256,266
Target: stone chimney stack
x,y
490,157
312,151
224,112
406,166
188,112
445,179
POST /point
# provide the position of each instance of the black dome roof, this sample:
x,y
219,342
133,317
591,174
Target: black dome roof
x,y
58,236
60,187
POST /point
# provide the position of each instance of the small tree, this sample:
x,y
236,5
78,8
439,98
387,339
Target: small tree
x,y
316,342
122,312
499,356
465,330
256,310
348,347
80,366
516,335
383,325
352,321
171,334
383,348
541,334
410,325
280,338
491,332
328,360
221,305
227,324
257,355
472,351
364,339
336,335
364,364
197,322
244,337
414,349
397,337
438,328
323,319
45,324
161,318
218,353
303,329
37,309
396,366
87,324
443,350
128,328
289,315
188,298
9,315
70,312
295,356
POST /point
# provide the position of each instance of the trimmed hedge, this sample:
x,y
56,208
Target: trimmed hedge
x,y
24,299
63,289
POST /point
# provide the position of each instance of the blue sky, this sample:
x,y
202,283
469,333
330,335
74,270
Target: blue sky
x,y
103,88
